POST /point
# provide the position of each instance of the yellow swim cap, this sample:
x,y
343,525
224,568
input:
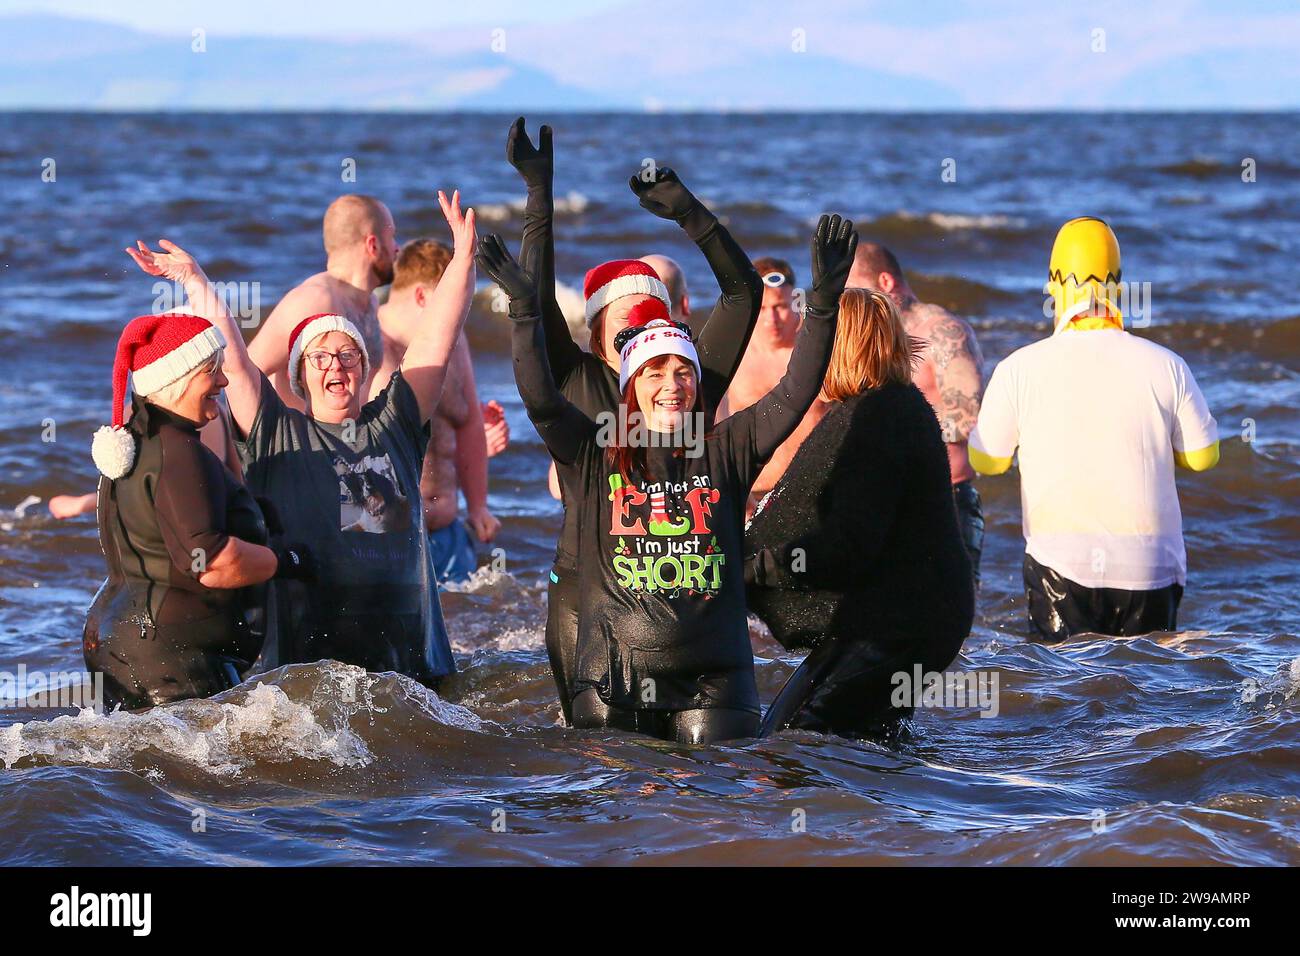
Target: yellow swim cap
x,y
1084,270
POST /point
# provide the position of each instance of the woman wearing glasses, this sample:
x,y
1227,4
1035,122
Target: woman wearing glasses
x,y
343,476
663,644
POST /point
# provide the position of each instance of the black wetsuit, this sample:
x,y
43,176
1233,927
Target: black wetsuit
x,y
154,631
663,644
857,555
592,385
1059,608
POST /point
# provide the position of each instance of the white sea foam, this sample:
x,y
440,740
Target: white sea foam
x,y
255,723
574,204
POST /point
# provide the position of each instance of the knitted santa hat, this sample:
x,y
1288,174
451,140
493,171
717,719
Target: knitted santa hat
x,y
619,278
312,328
650,334
155,350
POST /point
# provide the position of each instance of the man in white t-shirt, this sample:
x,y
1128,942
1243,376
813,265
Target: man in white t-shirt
x,y
1100,418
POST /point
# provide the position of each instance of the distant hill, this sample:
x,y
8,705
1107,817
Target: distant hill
x,y
56,63
686,55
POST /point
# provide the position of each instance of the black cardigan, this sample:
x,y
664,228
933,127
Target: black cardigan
x,y
860,537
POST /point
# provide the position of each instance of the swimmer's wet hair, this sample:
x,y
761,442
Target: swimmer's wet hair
x,y
877,259
421,261
350,219
871,346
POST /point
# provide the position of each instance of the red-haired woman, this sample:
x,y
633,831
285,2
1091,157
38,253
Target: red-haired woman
x,y
611,290
663,645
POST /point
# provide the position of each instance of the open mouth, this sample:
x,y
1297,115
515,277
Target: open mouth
x,y
669,404
336,386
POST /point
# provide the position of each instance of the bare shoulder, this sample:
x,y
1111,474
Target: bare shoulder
x,y
948,335
308,297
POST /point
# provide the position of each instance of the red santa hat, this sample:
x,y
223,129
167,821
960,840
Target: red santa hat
x,y
650,334
619,278
155,350
312,328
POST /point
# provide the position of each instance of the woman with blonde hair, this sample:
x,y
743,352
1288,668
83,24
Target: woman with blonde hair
x,y
856,554
183,539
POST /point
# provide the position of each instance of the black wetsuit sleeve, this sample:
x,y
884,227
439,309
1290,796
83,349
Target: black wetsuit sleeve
x,y
855,514
725,335
754,433
190,500
563,427
563,353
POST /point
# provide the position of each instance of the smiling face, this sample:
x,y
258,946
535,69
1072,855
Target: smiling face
x,y
665,392
334,393
198,403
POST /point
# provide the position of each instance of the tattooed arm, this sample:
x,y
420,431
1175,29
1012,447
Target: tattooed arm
x,y
956,358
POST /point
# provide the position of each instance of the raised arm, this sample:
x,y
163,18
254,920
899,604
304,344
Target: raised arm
x,y
425,364
244,387
562,426
771,420
726,333
536,166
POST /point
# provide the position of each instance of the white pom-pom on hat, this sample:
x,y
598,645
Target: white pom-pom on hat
x,y
113,449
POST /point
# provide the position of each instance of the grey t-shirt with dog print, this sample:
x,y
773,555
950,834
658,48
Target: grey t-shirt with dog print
x,y
350,494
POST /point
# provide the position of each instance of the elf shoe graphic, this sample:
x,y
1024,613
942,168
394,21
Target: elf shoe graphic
x,y
660,524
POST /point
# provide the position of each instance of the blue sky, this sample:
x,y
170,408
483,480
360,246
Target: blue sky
x,y
390,18
657,54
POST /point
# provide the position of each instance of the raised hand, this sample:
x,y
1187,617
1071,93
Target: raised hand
x,y
833,246
171,261
664,195
464,238
519,283
536,164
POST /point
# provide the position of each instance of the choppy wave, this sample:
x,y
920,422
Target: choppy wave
x,y
322,714
903,225
1165,749
1200,168
569,206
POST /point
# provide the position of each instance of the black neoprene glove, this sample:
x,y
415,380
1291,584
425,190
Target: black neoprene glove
x,y
536,164
664,194
833,246
295,562
520,284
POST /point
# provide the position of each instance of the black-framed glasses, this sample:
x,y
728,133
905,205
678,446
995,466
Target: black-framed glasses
x,y
322,360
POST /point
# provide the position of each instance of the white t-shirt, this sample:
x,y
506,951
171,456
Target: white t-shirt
x,y
1097,416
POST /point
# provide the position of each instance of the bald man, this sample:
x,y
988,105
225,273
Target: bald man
x,y
360,249
948,373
